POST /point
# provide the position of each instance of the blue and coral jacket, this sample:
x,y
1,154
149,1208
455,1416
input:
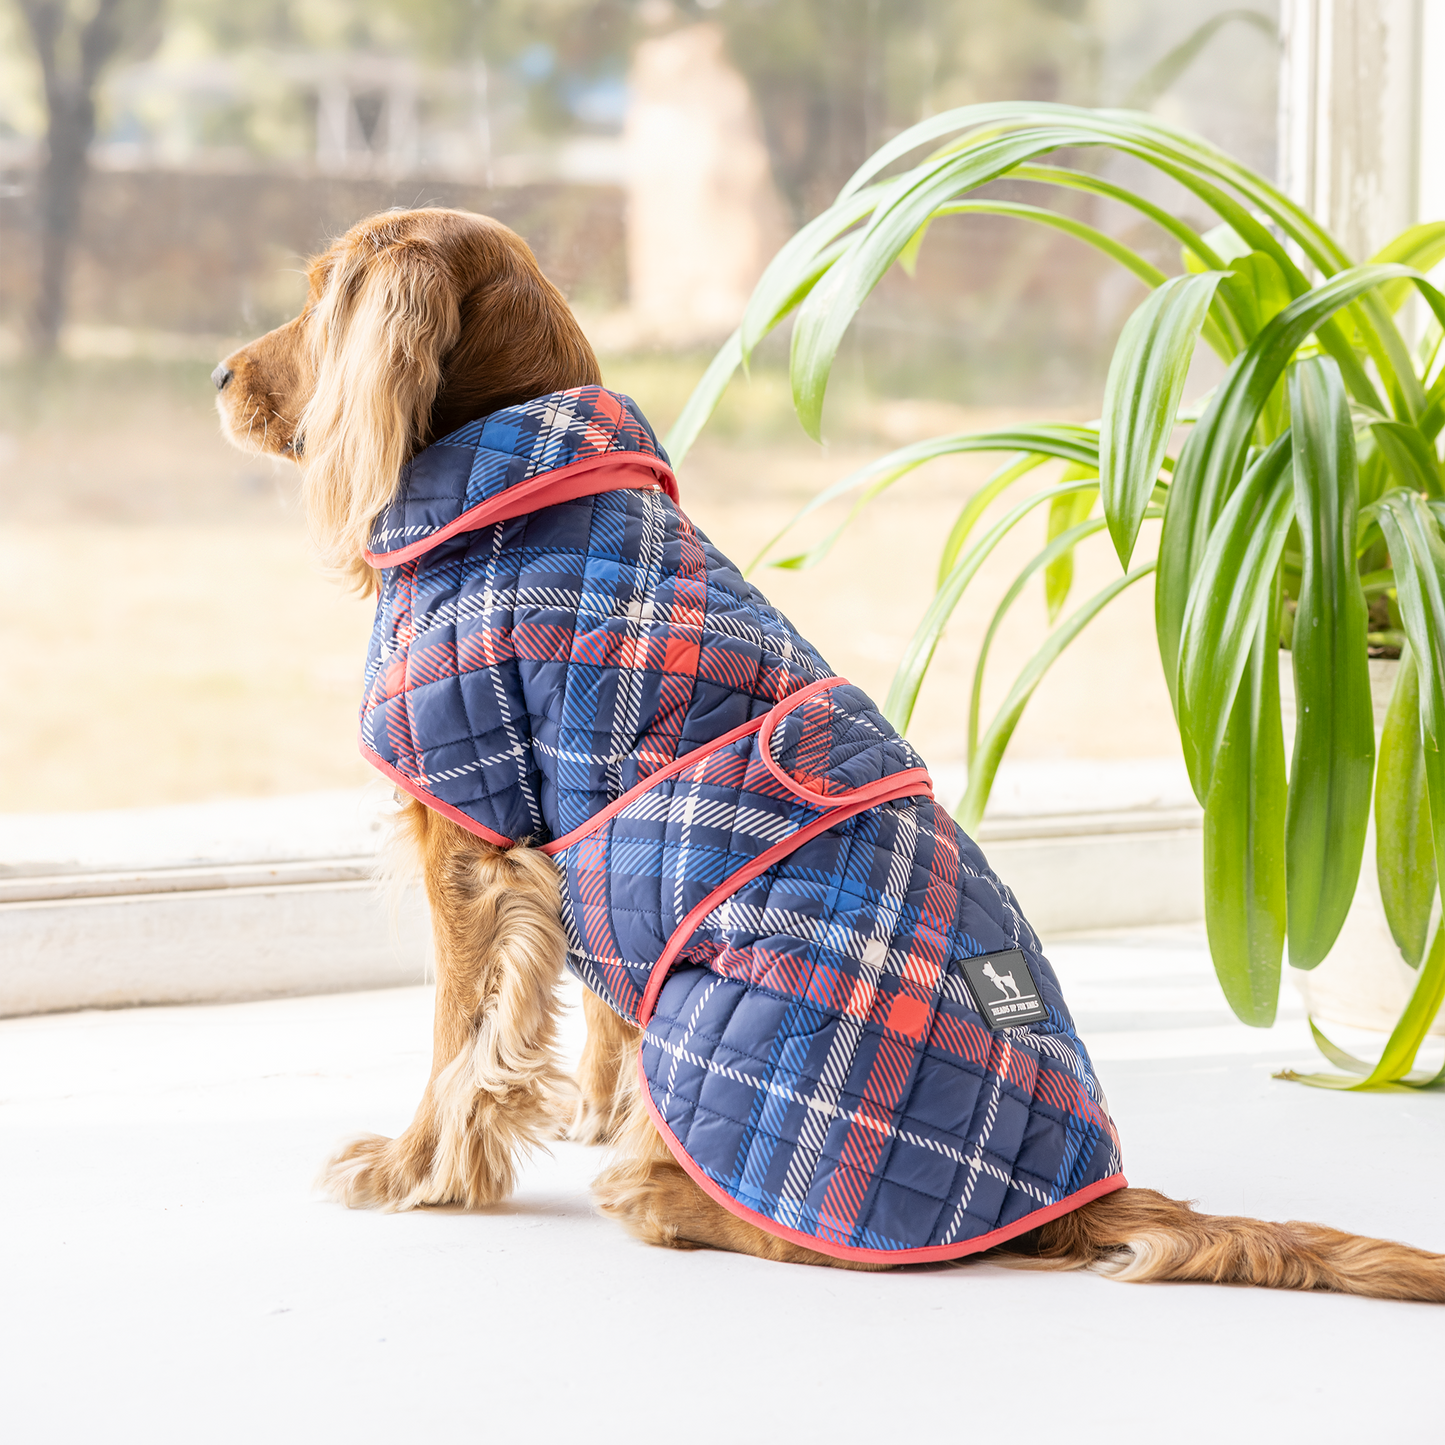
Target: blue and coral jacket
x,y
754,869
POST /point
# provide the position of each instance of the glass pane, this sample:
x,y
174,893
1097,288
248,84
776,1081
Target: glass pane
x,y
167,635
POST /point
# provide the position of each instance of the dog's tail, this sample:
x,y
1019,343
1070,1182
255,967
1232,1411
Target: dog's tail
x,y
1139,1234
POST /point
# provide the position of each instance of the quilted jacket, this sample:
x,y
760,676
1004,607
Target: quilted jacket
x,y
754,869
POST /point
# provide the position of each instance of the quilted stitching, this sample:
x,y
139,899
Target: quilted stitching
x,y
815,1053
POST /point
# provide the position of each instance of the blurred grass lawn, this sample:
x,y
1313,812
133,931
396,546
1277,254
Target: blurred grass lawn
x,y
167,639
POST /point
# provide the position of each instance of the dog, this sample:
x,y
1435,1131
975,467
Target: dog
x,y
1004,982
448,418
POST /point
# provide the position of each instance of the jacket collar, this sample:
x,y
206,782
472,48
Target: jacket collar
x,y
480,461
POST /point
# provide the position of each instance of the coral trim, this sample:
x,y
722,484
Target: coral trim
x,y
680,765
565,484
879,788
684,931
418,792
923,1255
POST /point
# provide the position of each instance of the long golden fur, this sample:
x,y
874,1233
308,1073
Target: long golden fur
x,y
415,322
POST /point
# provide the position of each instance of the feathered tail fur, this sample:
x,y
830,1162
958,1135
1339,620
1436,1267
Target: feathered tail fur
x,y
1140,1234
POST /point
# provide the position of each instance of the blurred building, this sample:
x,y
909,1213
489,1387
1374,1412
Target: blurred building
x,y
655,155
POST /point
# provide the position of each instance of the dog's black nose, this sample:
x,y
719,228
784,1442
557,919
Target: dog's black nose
x,y
221,375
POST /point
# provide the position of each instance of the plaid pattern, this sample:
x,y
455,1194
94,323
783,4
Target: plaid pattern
x,y
818,1054
530,672
815,1054
482,459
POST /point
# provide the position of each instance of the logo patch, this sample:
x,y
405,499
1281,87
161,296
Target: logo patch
x,y
1004,989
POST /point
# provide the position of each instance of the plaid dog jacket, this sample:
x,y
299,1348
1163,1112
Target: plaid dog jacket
x,y
753,866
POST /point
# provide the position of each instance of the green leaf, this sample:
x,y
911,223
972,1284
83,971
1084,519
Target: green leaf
x,y
908,256
789,277
1375,476
1336,1055
975,159
1064,513
1409,456
1256,291
1190,160
1394,1073
913,666
1141,396
1422,247
979,503
1229,602
1332,772
907,203
1245,202
1417,551
1200,256
797,267
1213,458
1420,1013
1227,242
1432,417
1061,545
703,401
1131,260
984,766
1244,854
1069,443
1404,846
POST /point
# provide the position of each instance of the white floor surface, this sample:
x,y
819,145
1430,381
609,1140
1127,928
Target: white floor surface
x,y
169,1276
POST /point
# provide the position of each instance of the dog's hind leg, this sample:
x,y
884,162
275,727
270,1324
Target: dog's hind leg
x,y
650,1194
608,1059
496,1086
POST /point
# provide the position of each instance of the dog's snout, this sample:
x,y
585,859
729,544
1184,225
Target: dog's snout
x,y
220,376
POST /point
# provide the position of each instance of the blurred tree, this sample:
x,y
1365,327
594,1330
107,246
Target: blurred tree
x,y
74,42
834,79
558,50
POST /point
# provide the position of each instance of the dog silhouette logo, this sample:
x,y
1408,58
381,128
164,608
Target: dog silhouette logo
x,y
1005,989
1003,982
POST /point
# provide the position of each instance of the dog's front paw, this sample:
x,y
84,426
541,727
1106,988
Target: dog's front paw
x,y
373,1172
589,1125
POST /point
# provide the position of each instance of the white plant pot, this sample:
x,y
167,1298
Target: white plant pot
x,y
1363,981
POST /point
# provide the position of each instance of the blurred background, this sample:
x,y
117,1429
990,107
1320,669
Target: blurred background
x,y
167,165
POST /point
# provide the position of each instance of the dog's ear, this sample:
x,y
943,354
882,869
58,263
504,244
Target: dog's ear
x,y
386,316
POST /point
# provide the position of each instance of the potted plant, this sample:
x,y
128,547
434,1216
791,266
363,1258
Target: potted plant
x,y
1304,511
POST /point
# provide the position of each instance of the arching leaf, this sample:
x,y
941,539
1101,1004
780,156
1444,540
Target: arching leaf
x,y
1244,856
1332,772
1417,552
984,766
1228,605
1064,513
1404,847
903,693
1068,442
703,401
1213,458
1141,397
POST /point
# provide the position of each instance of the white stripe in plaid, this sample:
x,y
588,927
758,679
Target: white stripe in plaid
x,y
976,1162
499,692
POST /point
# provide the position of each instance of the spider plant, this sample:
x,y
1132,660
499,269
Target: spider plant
x,y
1305,509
